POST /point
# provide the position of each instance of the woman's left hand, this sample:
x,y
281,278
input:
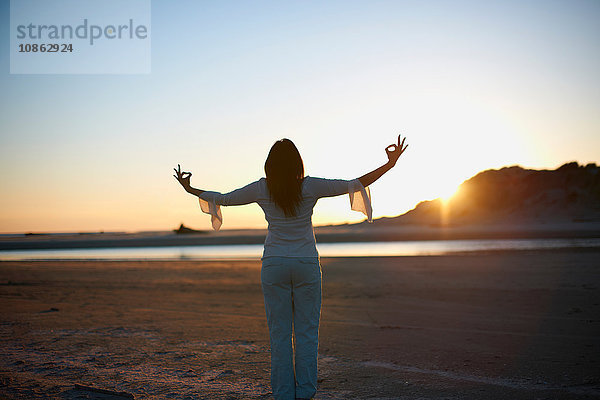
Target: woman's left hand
x,y
183,177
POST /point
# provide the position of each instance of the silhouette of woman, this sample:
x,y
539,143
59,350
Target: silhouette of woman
x,y
291,271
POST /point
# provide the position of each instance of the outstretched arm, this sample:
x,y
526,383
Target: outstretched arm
x,y
244,195
184,178
393,152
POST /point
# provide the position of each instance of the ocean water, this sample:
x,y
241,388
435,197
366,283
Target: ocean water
x,y
356,249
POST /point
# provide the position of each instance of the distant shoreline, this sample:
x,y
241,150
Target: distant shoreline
x,y
325,234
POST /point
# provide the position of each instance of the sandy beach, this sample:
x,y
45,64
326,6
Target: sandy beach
x,y
500,325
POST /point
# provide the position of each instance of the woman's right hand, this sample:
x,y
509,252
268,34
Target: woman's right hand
x,y
183,177
394,151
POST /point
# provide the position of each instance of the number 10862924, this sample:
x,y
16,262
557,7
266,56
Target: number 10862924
x,y
45,48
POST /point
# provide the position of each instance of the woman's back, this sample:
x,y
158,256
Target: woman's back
x,y
288,236
293,236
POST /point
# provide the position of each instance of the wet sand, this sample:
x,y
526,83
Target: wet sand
x,y
502,325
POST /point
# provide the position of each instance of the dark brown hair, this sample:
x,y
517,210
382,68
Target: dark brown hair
x,y
285,172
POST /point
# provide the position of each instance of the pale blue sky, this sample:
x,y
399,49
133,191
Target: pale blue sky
x,y
474,85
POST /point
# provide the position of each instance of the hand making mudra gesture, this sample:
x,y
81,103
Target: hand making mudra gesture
x,y
182,177
394,151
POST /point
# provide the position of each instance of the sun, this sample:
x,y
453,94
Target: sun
x,y
449,194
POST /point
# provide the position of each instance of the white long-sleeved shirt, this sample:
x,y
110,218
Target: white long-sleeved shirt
x,y
288,236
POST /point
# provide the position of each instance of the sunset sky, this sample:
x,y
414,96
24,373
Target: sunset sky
x,y
472,84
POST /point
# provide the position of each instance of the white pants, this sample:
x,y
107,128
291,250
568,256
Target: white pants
x,y
292,290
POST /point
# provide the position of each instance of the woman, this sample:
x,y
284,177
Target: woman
x,y
291,272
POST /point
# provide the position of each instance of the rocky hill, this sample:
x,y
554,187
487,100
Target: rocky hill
x,y
570,193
